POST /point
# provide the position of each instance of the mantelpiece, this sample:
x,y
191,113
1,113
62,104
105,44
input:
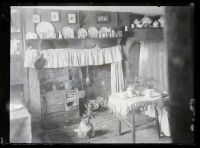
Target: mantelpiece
x,y
140,35
143,34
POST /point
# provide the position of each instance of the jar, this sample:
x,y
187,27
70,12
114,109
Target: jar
x,y
146,20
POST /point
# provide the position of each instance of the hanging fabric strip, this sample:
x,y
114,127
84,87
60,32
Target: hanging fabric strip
x,y
117,78
58,58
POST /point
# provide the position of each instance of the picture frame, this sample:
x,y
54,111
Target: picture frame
x,y
55,17
36,18
72,18
103,18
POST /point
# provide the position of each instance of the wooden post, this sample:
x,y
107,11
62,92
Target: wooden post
x,y
157,120
119,127
180,46
133,125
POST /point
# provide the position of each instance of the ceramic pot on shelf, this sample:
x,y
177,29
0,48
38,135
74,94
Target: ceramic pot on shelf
x,y
146,21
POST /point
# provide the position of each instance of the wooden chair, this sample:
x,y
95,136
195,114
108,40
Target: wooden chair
x,y
70,95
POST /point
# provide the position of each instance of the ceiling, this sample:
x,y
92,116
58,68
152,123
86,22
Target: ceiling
x,y
145,10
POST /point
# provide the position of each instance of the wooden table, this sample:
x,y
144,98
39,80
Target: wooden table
x,y
122,106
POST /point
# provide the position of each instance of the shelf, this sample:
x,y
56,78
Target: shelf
x,y
75,39
145,34
140,34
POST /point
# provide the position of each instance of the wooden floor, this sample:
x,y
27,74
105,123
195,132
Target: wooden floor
x,y
105,125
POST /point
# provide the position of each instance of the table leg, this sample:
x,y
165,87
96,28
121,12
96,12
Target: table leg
x,y
119,127
133,126
157,121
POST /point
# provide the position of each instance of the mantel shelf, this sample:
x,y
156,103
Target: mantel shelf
x,y
140,34
73,39
145,34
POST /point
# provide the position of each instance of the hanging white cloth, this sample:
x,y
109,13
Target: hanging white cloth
x,y
153,64
57,58
117,78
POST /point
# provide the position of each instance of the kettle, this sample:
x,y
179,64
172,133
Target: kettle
x,y
40,62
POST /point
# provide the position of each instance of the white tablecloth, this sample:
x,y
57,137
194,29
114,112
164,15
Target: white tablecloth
x,y
20,126
121,105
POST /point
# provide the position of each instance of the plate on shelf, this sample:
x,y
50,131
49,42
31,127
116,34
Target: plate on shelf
x,y
82,33
68,32
93,32
103,30
45,28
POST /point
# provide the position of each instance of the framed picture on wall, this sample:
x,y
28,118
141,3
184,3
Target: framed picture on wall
x,y
103,18
36,18
55,17
72,18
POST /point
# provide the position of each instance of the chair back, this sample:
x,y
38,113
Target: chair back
x,y
71,94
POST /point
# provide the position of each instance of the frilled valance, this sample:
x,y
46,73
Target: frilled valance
x,y
57,58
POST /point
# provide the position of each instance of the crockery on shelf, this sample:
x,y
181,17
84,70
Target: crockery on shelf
x,y
59,35
28,35
132,25
103,31
31,35
44,29
136,21
68,32
93,32
120,33
82,33
146,20
138,24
